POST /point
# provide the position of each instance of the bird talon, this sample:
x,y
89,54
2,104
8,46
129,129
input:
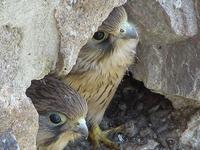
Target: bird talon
x,y
98,137
114,130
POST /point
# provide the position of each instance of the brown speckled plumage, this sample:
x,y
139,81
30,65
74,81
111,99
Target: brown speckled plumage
x,y
51,96
101,65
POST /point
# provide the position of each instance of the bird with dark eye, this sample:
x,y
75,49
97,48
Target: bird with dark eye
x,y
122,30
55,118
62,113
99,68
99,35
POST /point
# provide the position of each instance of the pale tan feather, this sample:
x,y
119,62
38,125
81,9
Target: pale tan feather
x,y
100,67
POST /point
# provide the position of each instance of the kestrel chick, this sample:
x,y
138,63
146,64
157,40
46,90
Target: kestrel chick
x,y
101,65
61,111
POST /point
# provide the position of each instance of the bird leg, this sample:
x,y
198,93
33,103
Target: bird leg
x,y
97,136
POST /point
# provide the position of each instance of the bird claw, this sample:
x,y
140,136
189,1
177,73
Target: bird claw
x,y
97,137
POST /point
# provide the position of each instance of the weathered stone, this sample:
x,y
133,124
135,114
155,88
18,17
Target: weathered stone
x,y
168,55
191,136
173,70
8,142
30,40
167,65
182,16
150,145
163,21
17,113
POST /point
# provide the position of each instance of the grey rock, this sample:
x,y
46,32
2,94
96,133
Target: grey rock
x,y
17,112
182,16
172,70
191,136
130,129
167,61
150,145
168,54
163,21
8,142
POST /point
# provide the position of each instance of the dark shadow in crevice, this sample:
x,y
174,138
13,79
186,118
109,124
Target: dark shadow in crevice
x,y
155,124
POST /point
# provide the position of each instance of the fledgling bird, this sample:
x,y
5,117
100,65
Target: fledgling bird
x,y
100,66
61,111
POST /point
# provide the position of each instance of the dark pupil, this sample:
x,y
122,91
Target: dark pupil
x,y
98,35
55,118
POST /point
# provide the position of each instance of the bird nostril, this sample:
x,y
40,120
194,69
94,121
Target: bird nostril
x,y
122,30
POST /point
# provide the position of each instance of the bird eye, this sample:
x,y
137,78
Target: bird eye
x,y
57,118
100,36
122,30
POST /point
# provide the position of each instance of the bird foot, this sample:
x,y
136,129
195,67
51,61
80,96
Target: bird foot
x,y
97,136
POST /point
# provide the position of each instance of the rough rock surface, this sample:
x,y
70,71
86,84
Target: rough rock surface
x,y
191,135
168,55
8,141
173,70
163,21
17,113
31,35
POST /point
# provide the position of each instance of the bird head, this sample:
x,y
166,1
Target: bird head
x,y
61,111
56,130
114,44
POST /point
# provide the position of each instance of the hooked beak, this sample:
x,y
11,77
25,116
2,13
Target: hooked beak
x,y
128,31
82,128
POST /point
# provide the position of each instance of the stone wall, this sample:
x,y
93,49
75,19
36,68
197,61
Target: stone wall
x,y
168,57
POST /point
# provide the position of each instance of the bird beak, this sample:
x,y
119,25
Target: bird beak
x,y
82,128
128,31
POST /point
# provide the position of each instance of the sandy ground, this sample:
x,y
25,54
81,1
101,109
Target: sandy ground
x,y
151,122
